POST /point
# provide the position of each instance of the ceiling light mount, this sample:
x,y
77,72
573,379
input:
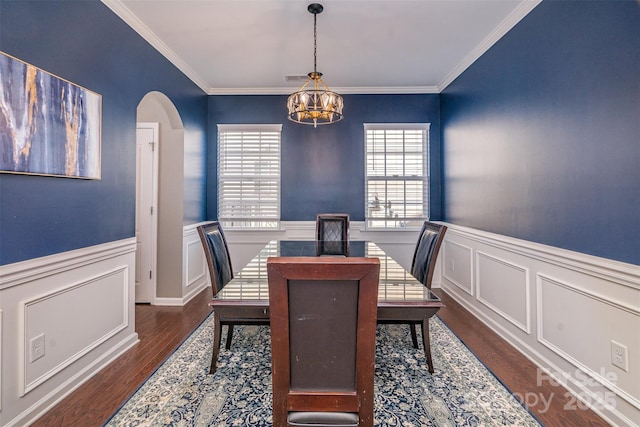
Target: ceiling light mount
x,y
315,8
314,103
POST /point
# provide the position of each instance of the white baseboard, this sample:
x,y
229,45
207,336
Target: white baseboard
x,y
179,302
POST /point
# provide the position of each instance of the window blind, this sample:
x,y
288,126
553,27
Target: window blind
x,y
249,175
397,175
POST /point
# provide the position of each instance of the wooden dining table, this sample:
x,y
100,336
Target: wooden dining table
x,y
401,297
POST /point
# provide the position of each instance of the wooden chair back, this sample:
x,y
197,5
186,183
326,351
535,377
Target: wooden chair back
x,y
323,314
332,234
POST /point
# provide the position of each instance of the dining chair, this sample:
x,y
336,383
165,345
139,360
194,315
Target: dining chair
x,y
218,259
422,268
332,234
323,325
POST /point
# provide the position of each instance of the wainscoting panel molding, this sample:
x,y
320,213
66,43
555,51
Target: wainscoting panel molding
x,y
64,317
66,337
571,333
196,265
504,288
457,261
565,323
195,275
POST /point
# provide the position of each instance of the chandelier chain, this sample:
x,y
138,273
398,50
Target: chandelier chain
x,y
315,43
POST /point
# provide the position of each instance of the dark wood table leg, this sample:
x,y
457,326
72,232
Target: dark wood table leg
x,y
217,335
229,336
414,336
426,341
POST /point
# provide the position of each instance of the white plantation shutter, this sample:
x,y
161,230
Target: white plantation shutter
x,y
391,272
397,175
249,175
251,281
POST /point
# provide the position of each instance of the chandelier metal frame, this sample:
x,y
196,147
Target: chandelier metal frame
x,y
314,103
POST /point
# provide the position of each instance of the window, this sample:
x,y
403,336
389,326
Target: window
x,y
249,175
397,175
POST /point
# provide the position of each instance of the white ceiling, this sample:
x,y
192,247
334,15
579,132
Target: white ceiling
x,y
373,46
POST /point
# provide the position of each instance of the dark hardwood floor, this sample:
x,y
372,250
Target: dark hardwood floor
x,y
162,329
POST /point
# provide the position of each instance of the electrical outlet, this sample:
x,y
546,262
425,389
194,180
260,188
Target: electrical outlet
x,y
37,347
619,356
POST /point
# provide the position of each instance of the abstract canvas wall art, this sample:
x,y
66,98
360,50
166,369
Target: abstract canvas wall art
x,y
48,125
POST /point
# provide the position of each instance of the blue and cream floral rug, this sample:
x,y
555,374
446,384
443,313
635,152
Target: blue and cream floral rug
x,y
461,392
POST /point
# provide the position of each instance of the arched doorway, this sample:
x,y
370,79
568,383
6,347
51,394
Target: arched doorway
x,y
159,169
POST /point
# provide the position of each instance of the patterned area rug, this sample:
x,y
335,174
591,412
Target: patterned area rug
x,y
461,392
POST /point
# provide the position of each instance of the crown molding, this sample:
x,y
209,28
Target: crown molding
x,y
503,28
138,26
364,90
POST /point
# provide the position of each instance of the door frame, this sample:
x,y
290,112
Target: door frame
x,y
150,242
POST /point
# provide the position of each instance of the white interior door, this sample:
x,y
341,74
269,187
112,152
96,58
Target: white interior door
x,y
147,140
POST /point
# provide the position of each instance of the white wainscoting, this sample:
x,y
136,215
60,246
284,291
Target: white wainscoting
x,y
195,276
458,269
509,296
65,342
560,308
81,303
245,244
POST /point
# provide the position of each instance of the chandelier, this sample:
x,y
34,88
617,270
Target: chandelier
x,y
314,103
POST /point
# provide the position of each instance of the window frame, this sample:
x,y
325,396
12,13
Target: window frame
x,y
409,223
245,222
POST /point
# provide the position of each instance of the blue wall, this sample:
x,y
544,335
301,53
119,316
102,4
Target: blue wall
x,y
541,135
323,167
84,42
